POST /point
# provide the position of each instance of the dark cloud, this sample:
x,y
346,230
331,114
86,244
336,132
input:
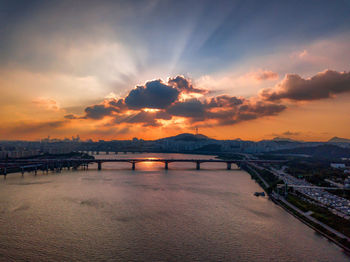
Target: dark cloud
x,y
184,85
258,109
323,85
99,111
119,104
225,101
154,94
220,110
224,109
71,116
245,111
189,108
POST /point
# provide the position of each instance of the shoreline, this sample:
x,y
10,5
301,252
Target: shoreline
x,y
304,220
300,216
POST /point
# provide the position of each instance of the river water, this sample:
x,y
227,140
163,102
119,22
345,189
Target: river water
x,y
150,215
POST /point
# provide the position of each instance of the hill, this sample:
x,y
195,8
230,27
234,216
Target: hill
x,y
284,139
338,140
321,152
187,137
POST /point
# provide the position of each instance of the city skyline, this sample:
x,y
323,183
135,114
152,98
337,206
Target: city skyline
x,y
152,69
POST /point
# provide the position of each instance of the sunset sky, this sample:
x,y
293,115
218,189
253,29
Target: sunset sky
x,y
149,69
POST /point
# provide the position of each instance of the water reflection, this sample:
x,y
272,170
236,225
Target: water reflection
x,y
150,214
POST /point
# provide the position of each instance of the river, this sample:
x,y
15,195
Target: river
x,y
150,214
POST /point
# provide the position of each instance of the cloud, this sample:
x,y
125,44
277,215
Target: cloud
x,y
265,75
184,85
191,108
156,100
71,116
225,101
245,111
224,110
25,128
300,55
46,103
145,118
99,111
154,94
118,104
323,85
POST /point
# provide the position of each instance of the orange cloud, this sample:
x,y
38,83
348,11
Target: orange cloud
x,y
156,103
47,104
263,75
189,106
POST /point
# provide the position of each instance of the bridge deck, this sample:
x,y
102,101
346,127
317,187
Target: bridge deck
x,y
142,160
58,164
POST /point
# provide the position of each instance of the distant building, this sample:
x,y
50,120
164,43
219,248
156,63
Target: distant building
x,y
347,182
338,165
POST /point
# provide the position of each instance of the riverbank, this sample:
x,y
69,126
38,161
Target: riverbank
x,y
321,228
7,167
341,242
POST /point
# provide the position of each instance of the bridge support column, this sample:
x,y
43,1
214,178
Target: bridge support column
x,y
99,166
133,165
198,165
228,166
166,165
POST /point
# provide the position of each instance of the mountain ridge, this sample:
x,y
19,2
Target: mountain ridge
x,y
336,139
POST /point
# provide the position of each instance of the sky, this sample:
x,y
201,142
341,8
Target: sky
x,y
149,69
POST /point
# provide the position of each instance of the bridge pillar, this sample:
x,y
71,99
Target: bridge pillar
x,y
99,165
198,165
166,165
228,165
133,165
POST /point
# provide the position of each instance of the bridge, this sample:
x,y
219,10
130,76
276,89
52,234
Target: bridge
x,y
20,165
